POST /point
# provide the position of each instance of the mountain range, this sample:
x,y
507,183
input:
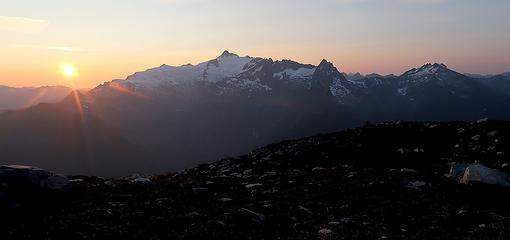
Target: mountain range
x,y
16,98
169,118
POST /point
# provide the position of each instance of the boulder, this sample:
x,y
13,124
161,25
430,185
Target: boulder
x,y
18,176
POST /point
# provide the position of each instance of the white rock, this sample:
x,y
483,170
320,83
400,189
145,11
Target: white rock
x,y
407,170
305,210
492,134
225,199
482,120
75,181
253,185
419,150
476,137
325,232
318,169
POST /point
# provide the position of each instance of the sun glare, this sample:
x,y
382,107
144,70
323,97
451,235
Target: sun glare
x,y
68,70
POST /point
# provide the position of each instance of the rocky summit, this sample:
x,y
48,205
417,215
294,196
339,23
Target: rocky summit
x,y
397,180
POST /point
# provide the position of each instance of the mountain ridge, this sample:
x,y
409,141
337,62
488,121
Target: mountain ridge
x,y
12,98
177,117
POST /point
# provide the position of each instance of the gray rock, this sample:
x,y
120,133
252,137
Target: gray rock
x,y
56,182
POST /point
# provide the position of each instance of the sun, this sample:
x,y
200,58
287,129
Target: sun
x,y
68,70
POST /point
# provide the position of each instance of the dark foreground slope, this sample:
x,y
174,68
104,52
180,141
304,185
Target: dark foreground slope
x,y
374,182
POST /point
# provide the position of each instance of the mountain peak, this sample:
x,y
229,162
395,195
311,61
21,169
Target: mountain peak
x,y
228,54
425,70
325,62
327,67
435,65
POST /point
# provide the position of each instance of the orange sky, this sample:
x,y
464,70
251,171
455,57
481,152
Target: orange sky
x,y
112,39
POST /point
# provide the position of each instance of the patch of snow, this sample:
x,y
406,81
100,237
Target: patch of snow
x,y
338,89
227,66
300,73
428,69
235,84
402,91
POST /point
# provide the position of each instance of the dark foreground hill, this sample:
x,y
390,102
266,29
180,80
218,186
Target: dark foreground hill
x,y
388,181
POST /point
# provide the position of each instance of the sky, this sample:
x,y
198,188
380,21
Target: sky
x,y
111,39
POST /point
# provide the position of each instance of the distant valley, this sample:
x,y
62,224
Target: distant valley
x,y
15,98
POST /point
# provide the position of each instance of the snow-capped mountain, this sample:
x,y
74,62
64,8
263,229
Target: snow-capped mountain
x,y
178,116
329,81
225,66
427,70
436,74
353,76
232,74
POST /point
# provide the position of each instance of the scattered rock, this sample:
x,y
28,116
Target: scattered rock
x,y
317,169
325,233
407,170
252,185
257,217
225,199
482,120
492,134
418,184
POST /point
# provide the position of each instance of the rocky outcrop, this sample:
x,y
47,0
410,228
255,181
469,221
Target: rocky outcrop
x,y
387,181
17,176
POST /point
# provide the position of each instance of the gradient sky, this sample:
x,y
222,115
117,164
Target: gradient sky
x,y
108,39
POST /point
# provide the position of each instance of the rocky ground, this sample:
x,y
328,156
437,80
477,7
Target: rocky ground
x,y
388,181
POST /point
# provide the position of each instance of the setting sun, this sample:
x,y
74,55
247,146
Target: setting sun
x,y
68,70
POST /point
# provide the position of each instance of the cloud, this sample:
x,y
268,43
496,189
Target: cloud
x,y
54,48
20,24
